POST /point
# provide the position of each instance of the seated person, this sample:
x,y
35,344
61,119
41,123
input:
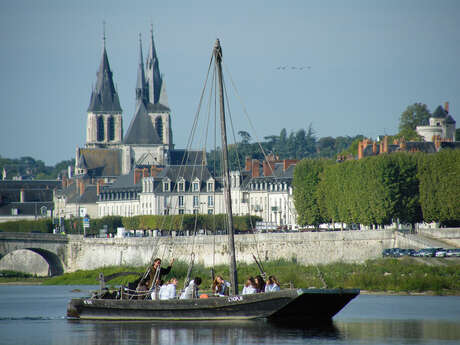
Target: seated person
x,y
260,284
250,287
170,290
272,284
220,286
142,289
156,289
191,291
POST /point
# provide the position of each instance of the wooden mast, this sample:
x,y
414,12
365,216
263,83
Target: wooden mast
x,y
226,174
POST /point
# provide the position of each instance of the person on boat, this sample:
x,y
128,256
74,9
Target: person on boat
x,y
142,289
220,286
156,290
169,290
163,271
250,287
260,283
191,291
272,284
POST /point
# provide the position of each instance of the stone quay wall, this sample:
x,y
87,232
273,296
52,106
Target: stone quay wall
x,y
305,248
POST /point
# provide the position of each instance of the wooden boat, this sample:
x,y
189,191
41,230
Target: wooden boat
x,y
313,305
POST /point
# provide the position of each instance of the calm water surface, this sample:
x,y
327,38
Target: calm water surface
x,y
35,315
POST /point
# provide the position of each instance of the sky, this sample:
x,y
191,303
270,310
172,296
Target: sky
x,y
364,63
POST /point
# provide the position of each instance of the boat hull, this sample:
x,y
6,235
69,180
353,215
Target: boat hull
x,y
299,304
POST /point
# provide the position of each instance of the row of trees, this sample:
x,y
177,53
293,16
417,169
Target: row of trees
x,y
145,222
295,145
32,168
379,190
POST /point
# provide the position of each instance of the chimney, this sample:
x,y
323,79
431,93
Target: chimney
x,y
267,168
385,144
154,170
64,182
82,188
437,142
22,195
446,107
288,162
145,172
247,166
99,185
402,144
137,175
374,148
360,150
255,168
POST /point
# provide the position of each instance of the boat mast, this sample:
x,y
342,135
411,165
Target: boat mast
x,y
226,174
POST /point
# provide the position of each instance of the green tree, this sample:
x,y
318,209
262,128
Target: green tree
x,y
415,115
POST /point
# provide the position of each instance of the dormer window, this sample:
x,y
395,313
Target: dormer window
x,y
196,186
167,186
181,185
210,185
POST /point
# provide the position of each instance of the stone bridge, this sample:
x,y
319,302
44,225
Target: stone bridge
x,y
52,248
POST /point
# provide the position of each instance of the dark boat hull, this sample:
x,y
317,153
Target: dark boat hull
x,y
303,304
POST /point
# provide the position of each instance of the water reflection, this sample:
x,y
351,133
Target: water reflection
x,y
264,332
400,329
167,333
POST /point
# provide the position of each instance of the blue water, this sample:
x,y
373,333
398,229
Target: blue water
x,y
35,315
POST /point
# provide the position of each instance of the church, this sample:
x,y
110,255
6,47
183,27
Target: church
x,y
108,153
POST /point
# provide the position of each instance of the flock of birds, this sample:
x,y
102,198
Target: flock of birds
x,y
300,68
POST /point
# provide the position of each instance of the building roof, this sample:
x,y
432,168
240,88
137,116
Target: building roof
x,y
186,157
439,113
100,162
25,208
153,76
104,97
141,130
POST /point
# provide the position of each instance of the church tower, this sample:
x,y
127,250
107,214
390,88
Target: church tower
x,y
104,127
157,106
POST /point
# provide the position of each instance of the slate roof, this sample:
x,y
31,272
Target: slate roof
x,y
188,173
186,157
100,162
141,130
25,208
73,196
439,112
35,190
104,97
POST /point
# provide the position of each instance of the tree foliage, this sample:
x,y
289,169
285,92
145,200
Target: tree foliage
x,y
380,190
415,115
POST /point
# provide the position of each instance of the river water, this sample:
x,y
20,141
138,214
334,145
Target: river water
x,y
35,315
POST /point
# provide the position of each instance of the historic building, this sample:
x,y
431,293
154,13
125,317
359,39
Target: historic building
x,y
263,190
441,127
148,140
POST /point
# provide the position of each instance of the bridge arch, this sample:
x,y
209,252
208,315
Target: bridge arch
x,y
55,265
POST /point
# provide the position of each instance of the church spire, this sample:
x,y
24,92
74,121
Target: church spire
x,y
104,97
154,79
141,92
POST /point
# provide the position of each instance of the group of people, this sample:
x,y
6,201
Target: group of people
x,y
154,285
257,285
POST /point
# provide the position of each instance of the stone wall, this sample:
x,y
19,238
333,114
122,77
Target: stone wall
x,y
305,248
448,235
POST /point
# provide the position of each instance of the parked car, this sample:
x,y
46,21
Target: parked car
x,y
441,253
426,252
453,252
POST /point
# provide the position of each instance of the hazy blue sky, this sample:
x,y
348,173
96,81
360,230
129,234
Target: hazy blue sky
x,y
369,60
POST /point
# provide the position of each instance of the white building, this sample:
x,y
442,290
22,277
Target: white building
x,y
442,126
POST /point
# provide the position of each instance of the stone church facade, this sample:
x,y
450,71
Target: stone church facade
x,y
148,141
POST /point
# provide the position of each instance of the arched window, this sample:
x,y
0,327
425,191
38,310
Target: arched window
x,y
100,128
159,127
111,128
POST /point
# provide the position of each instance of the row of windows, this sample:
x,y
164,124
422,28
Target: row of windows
x,y
181,186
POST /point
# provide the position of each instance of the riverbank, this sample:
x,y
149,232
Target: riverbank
x,y
402,276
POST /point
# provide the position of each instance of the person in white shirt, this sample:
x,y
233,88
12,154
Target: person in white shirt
x,y
272,284
250,287
170,290
157,290
191,291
